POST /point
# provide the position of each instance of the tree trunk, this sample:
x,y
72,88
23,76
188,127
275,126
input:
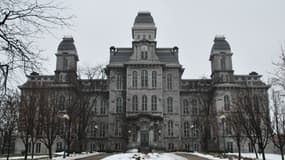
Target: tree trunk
x,y
263,154
9,144
32,145
50,151
281,152
26,147
3,144
254,148
238,145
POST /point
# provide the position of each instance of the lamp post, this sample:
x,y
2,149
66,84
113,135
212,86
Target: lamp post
x,y
65,117
223,117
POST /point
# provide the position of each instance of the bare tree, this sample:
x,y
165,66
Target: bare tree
x,y
278,78
48,118
278,83
234,120
203,119
27,121
85,108
8,121
278,126
255,117
22,22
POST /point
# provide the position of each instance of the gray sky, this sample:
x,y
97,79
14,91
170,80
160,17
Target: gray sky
x,y
255,30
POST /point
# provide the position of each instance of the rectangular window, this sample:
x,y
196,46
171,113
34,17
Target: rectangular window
x,y
117,146
58,146
101,147
154,75
144,103
135,79
187,147
169,104
169,81
170,128
29,147
103,107
93,129
144,79
38,148
117,129
134,136
119,81
230,147
153,103
170,146
250,148
92,147
196,147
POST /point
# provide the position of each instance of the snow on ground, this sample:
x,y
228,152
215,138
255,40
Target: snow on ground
x,y
149,156
75,156
268,156
59,156
22,157
207,156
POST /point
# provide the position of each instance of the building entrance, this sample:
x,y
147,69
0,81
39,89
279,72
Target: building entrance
x,y
144,139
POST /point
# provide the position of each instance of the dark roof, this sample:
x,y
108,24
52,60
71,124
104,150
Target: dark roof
x,y
220,43
67,43
167,55
144,17
121,55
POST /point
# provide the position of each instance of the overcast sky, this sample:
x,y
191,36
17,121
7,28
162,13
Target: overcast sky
x,y
255,30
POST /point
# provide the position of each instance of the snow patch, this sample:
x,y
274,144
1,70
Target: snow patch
x,y
141,156
268,156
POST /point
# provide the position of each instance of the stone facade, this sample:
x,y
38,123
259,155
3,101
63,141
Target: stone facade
x,y
144,102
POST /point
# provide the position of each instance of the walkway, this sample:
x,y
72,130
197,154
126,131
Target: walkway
x,y
96,157
108,155
190,157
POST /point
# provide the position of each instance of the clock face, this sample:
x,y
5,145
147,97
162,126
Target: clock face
x,y
144,48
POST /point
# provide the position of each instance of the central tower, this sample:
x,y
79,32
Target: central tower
x,y
144,87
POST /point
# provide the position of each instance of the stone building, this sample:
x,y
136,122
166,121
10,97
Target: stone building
x,y
144,102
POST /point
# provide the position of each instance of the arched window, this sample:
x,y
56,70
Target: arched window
x,y
119,105
65,63
119,81
117,129
256,103
135,79
194,107
185,106
226,103
144,103
186,129
170,104
170,128
246,101
135,103
194,129
153,79
94,105
223,63
144,79
62,102
103,106
153,103
169,81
